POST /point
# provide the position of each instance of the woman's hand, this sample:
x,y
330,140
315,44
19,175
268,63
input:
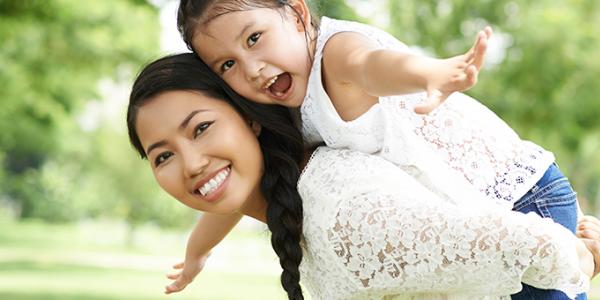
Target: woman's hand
x,y
586,259
588,230
189,270
454,74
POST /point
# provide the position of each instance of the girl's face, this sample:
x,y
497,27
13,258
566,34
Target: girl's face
x,y
261,53
202,152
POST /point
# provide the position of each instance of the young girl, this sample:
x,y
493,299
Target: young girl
x,y
342,75
364,229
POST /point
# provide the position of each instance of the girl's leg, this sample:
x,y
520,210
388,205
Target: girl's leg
x,y
551,197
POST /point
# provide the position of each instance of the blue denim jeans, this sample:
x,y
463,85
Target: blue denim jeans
x,y
551,197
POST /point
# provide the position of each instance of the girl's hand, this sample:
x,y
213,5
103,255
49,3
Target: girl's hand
x,y
454,74
189,270
588,230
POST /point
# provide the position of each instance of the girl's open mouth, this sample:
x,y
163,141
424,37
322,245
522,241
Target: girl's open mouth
x,y
281,86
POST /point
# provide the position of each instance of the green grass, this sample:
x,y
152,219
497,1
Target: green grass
x,y
92,261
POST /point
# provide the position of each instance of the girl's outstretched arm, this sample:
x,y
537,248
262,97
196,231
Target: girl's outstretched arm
x,y
209,231
353,61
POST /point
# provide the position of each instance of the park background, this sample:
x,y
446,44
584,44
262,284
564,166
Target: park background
x,y
80,215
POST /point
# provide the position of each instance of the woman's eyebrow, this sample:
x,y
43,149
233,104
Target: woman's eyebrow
x,y
182,126
187,119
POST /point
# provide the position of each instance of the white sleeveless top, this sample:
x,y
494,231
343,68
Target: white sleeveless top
x,y
462,133
371,231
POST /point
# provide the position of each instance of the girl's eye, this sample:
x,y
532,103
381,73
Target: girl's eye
x,y
227,65
161,158
201,128
253,39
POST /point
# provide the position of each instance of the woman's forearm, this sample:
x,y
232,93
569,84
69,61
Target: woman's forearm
x,y
208,232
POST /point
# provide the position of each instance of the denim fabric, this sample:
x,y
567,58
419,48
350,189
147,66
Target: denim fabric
x,y
551,197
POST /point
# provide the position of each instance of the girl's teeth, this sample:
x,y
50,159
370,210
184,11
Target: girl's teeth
x,y
270,82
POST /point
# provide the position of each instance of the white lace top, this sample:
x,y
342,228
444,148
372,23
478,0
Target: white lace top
x,y
461,133
372,232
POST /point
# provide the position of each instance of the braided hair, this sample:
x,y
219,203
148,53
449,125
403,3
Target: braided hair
x,y
280,142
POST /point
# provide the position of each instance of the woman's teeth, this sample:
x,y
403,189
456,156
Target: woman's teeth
x,y
214,183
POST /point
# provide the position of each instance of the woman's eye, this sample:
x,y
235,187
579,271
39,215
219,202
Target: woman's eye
x,y
201,128
161,158
227,65
253,39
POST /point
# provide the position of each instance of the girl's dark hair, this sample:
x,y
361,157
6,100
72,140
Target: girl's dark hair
x,y
192,13
280,142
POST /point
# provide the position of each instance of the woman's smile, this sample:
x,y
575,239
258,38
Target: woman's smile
x,y
205,154
212,187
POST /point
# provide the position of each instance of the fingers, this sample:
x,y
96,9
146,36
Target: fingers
x,y
176,286
488,31
471,80
473,50
590,219
480,51
588,227
434,99
476,55
173,276
178,265
588,234
594,247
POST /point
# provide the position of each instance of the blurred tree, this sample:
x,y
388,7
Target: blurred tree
x,y
545,85
544,80
52,57
338,9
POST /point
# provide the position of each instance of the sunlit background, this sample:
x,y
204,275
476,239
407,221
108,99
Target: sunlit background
x,y
80,215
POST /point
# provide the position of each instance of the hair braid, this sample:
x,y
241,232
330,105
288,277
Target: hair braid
x,y
280,141
284,217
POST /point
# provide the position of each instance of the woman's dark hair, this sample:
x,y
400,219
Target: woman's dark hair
x,y
192,13
280,142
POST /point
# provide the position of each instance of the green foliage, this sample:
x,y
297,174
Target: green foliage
x,y
546,86
53,55
338,9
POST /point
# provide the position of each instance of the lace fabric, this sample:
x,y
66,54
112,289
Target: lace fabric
x,y
373,232
462,133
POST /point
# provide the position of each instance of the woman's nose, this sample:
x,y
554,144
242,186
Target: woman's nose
x,y
195,163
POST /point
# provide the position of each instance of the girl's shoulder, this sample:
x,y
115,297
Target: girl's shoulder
x,y
329,27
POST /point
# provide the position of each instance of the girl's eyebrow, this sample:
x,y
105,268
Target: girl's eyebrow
x,y
241,34
182,126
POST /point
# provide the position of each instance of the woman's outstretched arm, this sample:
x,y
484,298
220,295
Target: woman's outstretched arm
x,y
209,231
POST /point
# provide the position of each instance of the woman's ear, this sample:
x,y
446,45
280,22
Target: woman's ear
x,y
301,14
256,127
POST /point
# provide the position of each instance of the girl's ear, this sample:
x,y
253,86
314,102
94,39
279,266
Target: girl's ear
x,y
256,127
300,14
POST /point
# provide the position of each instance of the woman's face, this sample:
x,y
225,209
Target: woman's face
x,y
202,152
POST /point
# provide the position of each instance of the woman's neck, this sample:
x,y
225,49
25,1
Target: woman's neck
x,y
256,206
307,155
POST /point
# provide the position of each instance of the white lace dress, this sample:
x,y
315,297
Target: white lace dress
x,y
477,145
372,232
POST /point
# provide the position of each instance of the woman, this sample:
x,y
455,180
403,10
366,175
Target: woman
x,y
356,226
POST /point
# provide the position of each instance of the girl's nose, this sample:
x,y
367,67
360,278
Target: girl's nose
x,y
254,69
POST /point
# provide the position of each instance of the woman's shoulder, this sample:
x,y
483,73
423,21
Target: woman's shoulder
x,y
342,166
